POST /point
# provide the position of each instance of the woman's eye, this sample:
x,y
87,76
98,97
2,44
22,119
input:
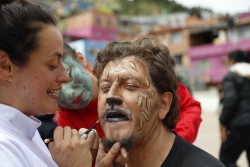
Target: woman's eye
x,y
53,67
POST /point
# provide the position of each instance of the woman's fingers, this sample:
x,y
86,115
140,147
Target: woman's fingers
x,y
92,140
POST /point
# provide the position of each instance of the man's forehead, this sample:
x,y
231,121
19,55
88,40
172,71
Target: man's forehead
x,y
131,61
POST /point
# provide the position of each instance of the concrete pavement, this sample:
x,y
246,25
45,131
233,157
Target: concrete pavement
x,y
208,137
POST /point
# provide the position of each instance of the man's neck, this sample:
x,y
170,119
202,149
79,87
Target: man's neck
x,y
153,151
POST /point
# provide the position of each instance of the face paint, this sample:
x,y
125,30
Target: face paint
x,y
141,123
147,81
140,101
128,79
107,73
132,65
144,115
78,92
120,69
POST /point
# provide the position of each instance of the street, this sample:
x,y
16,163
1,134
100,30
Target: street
x,y
208,137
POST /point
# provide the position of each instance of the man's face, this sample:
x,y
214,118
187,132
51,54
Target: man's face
x,y
127,100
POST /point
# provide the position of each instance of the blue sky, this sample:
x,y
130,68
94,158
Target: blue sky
x,y
220,6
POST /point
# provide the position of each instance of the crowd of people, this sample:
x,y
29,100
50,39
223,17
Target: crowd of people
x,y
146,117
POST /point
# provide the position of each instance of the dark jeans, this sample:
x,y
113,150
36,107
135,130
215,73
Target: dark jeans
x,y
238,140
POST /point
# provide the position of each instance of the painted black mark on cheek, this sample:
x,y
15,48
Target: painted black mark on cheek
x,y
132,65
140,101
147,82
144,115
141,93
148,103
120,69
141,124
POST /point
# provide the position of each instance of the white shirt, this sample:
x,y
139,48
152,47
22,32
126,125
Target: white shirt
x,y
20,142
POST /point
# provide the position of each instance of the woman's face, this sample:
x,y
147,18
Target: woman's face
x,y
37,85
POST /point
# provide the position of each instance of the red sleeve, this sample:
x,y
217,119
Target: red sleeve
x,y
80,118
190,115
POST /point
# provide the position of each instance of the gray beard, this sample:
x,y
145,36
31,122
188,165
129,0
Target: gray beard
x,y
126,143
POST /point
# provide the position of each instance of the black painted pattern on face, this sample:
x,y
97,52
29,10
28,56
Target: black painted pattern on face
x,y
120,69
147,81
140,100
132,65
118,62
144,114
107,73
141,123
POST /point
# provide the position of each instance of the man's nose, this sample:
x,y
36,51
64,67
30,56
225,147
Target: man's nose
x,y
113,101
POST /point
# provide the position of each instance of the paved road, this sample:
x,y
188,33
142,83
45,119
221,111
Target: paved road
x,y
208,137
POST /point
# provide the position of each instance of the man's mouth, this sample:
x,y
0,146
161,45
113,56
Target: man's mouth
x,y
116,117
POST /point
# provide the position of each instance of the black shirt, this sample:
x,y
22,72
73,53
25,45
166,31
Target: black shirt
x,y
184,154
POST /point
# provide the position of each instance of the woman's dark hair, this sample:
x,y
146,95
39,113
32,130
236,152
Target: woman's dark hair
x,y
239,56
20,22
158,63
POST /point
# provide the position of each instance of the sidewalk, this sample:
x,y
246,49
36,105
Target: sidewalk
x,y
208,137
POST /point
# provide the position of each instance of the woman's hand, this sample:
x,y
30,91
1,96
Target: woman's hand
x,y
92,140
68,149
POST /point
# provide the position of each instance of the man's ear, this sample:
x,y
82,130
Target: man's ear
x,y
5,66
82,59
166,100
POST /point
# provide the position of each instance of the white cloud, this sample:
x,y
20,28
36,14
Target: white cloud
x,y
220,6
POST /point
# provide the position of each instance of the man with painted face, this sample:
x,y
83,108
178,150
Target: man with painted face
x,y
138,108
84,113
78,97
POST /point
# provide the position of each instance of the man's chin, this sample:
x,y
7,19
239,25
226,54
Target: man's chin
x,y
126,143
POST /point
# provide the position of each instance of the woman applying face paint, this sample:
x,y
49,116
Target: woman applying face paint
x,y
31,76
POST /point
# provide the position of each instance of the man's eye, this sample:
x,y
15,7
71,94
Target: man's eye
x,y
131,86
105,88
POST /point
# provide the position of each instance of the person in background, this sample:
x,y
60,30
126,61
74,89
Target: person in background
x,y
49,124
77,116
78,98
31,75
138,107
235,116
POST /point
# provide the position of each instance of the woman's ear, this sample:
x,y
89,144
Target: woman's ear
x,y
166,100
5,66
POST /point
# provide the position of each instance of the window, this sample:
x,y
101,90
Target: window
x,y
176,37
98,20
177,59
109,22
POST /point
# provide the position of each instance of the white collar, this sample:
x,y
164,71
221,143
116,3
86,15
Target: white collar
x,y
21,123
